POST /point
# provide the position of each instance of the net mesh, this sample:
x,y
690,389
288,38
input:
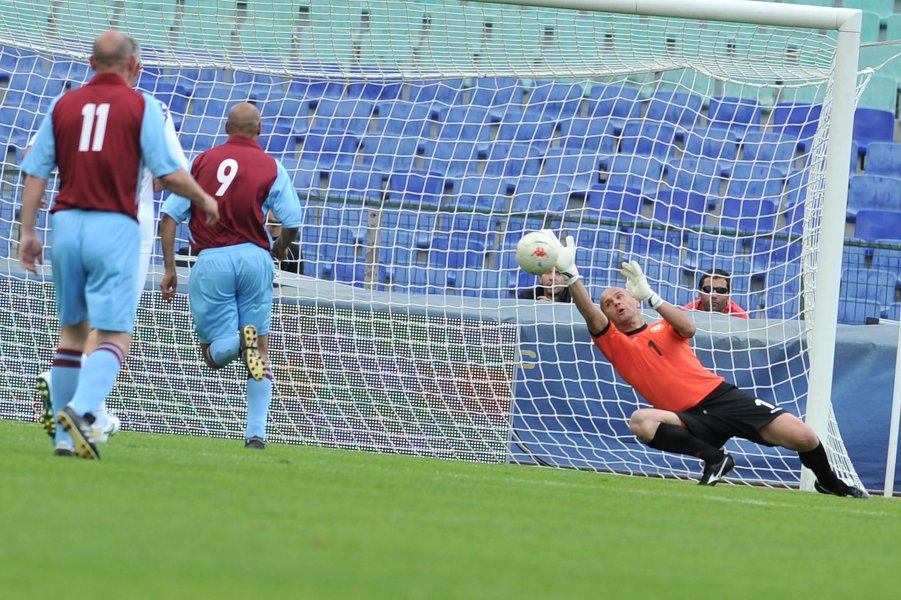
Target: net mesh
x,y
425,138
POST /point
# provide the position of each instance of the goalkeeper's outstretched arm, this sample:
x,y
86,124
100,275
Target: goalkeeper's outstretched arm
x,y
566,265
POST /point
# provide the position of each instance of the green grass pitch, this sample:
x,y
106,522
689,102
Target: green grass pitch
x,y
181,517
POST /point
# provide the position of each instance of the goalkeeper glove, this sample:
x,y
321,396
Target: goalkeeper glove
x,y
637,285
566,258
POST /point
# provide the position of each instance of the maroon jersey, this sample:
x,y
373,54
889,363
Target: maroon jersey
x,y
97,129
239,175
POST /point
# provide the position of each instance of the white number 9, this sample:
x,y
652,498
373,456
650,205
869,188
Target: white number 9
x,y
228,168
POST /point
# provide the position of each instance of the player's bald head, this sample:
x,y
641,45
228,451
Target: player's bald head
x,y
244,120
113,49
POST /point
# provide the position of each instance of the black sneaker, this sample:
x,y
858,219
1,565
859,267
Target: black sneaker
x,y
250,353
80,430
255,443
43,386
714,472
846,490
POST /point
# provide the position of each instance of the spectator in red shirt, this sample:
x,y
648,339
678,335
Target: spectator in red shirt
x,y
714,295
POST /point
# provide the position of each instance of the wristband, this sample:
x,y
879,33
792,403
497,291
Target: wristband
x,y
654,300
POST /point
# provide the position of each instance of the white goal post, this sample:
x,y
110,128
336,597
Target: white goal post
x,y
425,138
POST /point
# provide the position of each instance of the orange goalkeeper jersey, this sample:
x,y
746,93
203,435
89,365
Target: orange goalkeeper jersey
x,y
660,364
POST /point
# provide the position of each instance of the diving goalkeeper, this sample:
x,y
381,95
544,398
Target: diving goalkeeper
x,y
694,410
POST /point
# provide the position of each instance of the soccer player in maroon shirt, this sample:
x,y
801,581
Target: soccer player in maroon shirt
x,y
100,136
230,289
694,411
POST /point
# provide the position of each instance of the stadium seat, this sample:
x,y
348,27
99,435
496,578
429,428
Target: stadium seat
x,y
492,92
616,101
482,186
799,120
343,117
870,284
612,203
878,192
892,312
769,148
520,126
540,195
748,215
580,171
465,123
880,93
551,100
856,311
696,174
373,91
738,115
311,91
873,225
416,189
327,150
782,304
887,259
753,180
883,158
715,143
893,27
388,153
872,125
675,107
364,186
448,157
583,134
511,159
640,174
680,208
648,138
446,92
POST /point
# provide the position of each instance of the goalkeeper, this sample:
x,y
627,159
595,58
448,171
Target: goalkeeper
x,y
694,410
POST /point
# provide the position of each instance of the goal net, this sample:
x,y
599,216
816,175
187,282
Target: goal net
x,y
425,138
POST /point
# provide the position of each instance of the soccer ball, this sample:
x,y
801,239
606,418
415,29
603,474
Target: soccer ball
x,y
536,253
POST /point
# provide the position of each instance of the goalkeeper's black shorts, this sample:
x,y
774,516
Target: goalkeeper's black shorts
x,y
729,412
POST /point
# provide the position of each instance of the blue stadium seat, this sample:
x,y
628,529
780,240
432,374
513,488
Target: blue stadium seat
x,y
697,174
451,158
892,312
349,117
648,138
799,120
311,91
474,230
465,123
854,257
540,195
374,90
675,107
491,92
748,215
769,148
883,158
388,153
873,225
784,276
680,208
796,187
856,311
365,186
870,284
551,100
738,115
482,187
582,134
399,117
612,203
754,180
616,101
702,247
328,150
782,304
580,171
877,192
887,259
640,174
715,143
872,125
521,126
416,189
445,92
511,159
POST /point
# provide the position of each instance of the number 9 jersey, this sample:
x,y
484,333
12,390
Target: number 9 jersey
x,y
659,363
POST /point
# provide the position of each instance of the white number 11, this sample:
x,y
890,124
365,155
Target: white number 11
x,y
88,129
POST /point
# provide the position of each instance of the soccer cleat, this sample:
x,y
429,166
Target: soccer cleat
x,y
846,490
255,443
715,472
250,353
104,425
47,421
80,430
63,448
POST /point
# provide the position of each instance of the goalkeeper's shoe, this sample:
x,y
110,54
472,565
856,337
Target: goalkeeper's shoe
x,y
715,472
250,353
80,429
845,490
255,443
43,386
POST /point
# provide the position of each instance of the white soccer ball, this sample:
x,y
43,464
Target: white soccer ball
x,y
536,253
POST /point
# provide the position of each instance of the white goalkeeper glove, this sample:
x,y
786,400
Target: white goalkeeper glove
x,y
566,258
637,285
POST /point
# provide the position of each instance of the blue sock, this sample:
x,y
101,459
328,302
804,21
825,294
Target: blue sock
x,y
259,394
98,376
64,374
224,350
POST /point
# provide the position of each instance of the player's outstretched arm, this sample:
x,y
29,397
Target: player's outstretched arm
x,y
180,182
566,266
637,285
169,282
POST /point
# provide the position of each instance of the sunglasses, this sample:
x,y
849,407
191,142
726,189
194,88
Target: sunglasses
x,y
715,290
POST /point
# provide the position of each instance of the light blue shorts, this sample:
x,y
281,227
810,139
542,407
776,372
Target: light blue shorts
x,y
231,287
95,268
